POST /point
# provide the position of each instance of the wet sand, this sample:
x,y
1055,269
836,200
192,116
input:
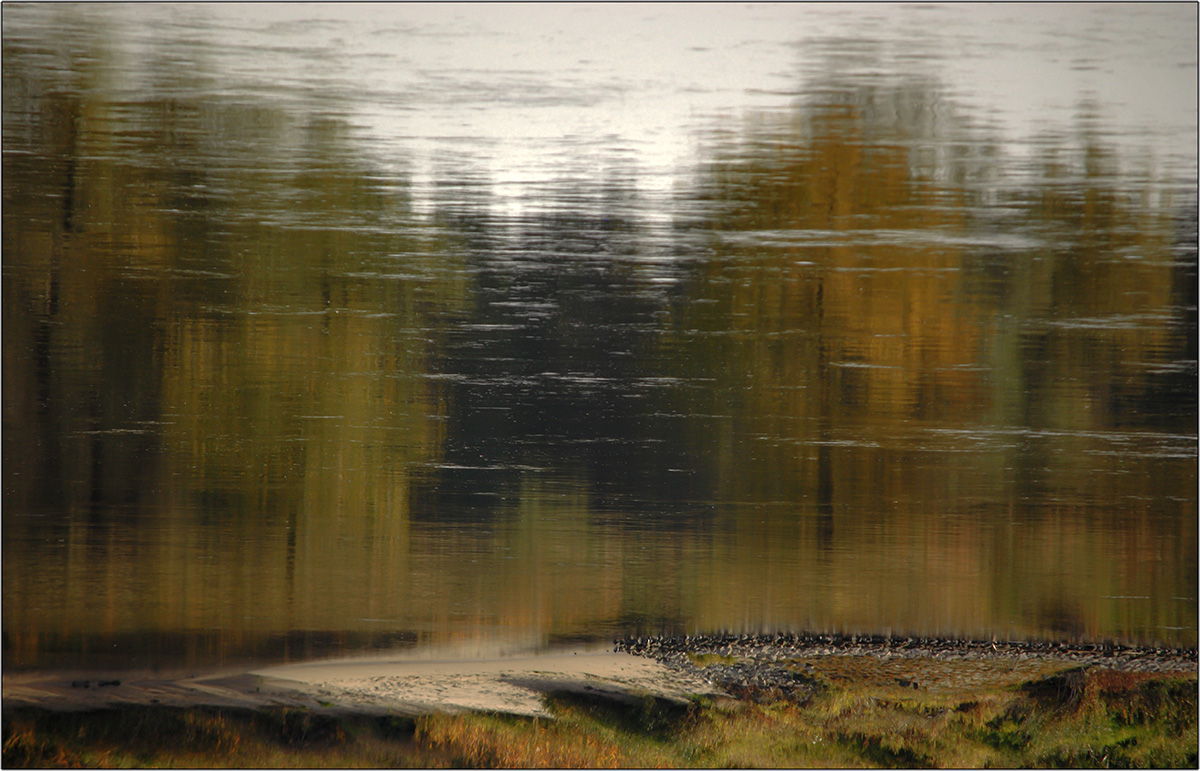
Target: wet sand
x,y
513,684
78,691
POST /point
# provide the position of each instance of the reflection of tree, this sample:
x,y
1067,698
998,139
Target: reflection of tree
x,y
839,301
913,392
1090,336
1096,297
896,342
209,323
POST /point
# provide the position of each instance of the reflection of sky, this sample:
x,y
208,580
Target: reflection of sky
x,y
1035,64
530,94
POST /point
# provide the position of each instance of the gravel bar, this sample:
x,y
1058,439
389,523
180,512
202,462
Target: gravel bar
x,y
769,662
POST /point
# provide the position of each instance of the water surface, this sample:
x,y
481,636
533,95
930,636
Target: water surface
x,y
336,328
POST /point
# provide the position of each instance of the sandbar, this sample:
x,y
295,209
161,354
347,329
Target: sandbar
x,y
375,685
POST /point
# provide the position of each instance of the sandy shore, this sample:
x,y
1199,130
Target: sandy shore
x,y
454,681
512,684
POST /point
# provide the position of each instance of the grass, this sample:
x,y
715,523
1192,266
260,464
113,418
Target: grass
x,y
1072,718
208,737
708,659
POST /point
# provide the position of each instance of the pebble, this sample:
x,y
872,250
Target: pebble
x,y
757,657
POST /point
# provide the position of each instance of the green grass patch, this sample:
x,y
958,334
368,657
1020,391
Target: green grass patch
x,y
709,659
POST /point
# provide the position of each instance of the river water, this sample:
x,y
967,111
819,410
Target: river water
x,y
331,329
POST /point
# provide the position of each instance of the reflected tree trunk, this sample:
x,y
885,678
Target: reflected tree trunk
x,y
824,435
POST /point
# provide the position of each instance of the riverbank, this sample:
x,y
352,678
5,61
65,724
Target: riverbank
x,y
699,702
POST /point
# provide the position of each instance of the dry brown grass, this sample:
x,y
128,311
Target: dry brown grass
x,y
1065,718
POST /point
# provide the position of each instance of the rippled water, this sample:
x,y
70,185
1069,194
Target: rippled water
x,y
333,328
